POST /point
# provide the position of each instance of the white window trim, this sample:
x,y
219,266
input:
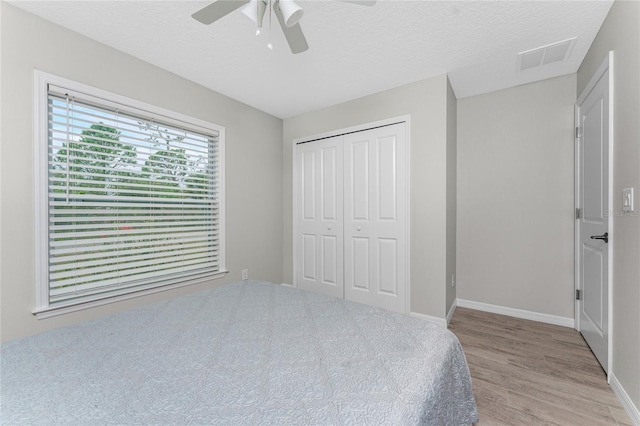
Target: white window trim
x,y
40,139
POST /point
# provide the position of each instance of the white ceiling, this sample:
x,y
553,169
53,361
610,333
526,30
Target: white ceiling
x,y
354,50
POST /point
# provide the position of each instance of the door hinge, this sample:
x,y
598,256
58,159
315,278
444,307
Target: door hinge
x,y
578,213
578,132
578,294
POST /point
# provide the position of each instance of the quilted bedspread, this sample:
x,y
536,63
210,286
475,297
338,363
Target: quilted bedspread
x,y
245,353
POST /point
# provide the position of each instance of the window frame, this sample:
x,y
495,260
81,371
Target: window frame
x,y
42,80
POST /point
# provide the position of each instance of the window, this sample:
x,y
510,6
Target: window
x,y
129,197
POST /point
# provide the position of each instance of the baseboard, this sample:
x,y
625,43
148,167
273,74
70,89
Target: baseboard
x,y
452,310
435,320
623,397
287,285
517,313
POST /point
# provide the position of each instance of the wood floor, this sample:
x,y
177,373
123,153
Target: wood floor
x,y
526,373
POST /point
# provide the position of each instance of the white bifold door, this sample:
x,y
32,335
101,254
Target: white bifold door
x,y
351,227
319,239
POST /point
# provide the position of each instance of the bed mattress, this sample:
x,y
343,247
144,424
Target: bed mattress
x,y
245,353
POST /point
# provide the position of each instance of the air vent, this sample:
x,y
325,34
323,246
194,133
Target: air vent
x,y
555,52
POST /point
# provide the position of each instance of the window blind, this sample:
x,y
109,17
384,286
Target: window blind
x,y
133,200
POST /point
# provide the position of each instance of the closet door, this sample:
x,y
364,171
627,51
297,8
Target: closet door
x,y
375,217
319,241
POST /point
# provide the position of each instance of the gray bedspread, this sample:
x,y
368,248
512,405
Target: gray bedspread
x,y
245,353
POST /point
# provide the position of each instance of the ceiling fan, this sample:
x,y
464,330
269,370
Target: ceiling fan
x,y
287,12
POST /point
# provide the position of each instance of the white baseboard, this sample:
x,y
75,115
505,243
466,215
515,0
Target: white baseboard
x,y
435,320
287,285
623,397
452,310
517,313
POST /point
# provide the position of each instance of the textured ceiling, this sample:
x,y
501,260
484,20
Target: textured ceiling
x,y
354,50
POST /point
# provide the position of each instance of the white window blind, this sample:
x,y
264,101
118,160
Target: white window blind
x,y
133,200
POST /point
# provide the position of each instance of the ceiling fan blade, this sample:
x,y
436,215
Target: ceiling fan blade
x,y
360,2
294,35
217,10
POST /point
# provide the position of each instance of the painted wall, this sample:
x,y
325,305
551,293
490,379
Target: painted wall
x,y
253,159
452,191
426,102
621,33
515,197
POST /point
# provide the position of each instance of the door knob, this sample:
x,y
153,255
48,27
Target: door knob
x,y
359,229
604,237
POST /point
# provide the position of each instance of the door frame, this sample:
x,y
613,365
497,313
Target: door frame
x,y
607,65
407,167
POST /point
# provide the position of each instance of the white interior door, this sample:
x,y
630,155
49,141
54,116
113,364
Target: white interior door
x,y
374,222
593,304
319,241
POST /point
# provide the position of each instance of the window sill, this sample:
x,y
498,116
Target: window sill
x,y
48,312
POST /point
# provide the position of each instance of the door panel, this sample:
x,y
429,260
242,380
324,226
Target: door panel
x,y
388,264
360,267
593,142
594,203
329,259
387,185
309,256
329,184
319,197
359,167
593,268
308,175
375,191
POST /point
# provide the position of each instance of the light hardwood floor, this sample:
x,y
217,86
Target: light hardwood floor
x,y
526,372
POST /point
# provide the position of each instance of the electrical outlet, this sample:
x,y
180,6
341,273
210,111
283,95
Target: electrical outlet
x,y
453,280
245,274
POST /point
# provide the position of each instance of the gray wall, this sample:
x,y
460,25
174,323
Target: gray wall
x,y
426,102
515,197
253,159
621,33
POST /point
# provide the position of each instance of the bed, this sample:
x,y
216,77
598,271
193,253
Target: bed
x,y
245,353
